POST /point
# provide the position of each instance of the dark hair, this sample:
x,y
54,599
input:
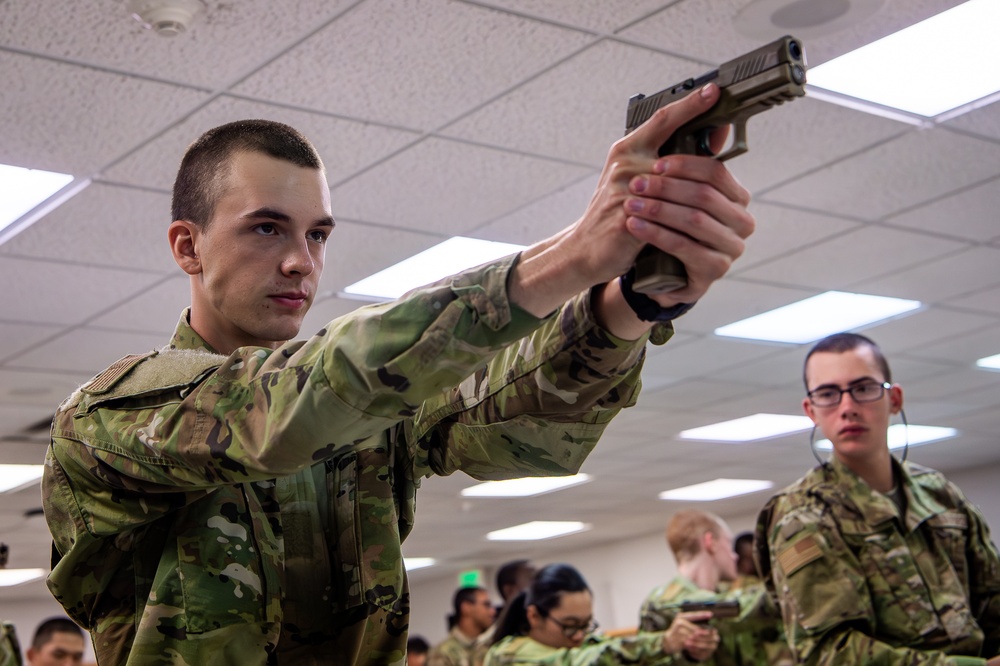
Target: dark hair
x,y
200,178
838,343
54,625
545,594
507,574
744,538
417,645
464,595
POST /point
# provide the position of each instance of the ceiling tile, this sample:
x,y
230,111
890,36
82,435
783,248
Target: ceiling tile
x,y
412,64
155,310
864,187
984,121
939,280
58,117
596,15
969,214
102,32
18,337
88,350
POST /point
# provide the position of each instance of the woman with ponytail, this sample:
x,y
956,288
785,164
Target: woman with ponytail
x,y
552,624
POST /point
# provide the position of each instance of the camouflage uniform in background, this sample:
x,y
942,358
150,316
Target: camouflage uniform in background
x,y
249,509
456,650
10,649
861,582
641,650
754,637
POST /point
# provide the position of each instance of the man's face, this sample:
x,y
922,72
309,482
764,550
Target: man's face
x,y
481,610
744,559
63,649
856,429
259,260
725,556
573,616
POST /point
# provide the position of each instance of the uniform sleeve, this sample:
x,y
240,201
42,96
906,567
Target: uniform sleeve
x,y
644,649
654,616
984,583
538,407
262,414
823,592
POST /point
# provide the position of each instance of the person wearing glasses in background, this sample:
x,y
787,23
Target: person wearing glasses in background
x,y
552,624
874,560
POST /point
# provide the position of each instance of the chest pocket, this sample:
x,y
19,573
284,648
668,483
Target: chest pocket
x,y
903,610
367,563
949,532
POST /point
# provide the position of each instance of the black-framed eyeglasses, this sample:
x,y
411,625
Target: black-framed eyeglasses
x,y
571,630
830,396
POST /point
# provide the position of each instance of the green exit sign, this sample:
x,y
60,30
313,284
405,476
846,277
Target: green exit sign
x,y
471,578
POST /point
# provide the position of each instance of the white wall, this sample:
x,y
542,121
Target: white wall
x,y
622,573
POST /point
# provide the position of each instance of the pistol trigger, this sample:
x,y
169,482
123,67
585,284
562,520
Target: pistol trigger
x,y
704,146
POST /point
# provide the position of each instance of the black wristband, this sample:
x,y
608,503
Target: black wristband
x,y
645,307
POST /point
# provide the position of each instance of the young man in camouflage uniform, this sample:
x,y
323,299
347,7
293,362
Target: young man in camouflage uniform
x,y
876,561
236,498
702,545
472,615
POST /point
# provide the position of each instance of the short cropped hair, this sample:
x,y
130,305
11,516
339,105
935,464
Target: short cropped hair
x,y
54,625
685,529
838,343
204,167
463,595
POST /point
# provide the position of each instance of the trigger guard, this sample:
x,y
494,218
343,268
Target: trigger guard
x,y
703,147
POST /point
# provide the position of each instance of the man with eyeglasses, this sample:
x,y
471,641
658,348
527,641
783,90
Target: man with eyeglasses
x,y
876,560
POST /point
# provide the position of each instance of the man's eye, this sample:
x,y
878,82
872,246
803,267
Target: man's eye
x,y
265,229
826,394
319,236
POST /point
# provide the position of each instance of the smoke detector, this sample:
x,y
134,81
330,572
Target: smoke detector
x,y
168,18
769,19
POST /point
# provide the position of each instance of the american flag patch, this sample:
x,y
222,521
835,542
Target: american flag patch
x,y
799,554
115,372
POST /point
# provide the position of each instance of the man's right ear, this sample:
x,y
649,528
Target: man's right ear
x,y
184,237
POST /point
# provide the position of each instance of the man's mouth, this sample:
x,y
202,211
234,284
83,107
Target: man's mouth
x,y
290,299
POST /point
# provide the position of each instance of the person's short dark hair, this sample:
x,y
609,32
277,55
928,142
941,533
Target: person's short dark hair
x,y
54,625
417,645
838,343
201,176
464,595
744,539
507,575
545,594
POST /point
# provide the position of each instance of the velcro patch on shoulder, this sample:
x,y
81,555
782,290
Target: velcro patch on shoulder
x,y
103,382
797,555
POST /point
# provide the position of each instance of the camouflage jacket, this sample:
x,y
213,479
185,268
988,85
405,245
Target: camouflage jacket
x,y
859,583
250,508
642,650
456,650
10,649
754,637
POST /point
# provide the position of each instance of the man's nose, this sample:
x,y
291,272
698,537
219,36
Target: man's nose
x,y
298,260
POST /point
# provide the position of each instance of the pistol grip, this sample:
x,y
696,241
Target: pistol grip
x,y
657,272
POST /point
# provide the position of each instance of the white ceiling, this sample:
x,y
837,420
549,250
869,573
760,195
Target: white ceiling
x,y
491,119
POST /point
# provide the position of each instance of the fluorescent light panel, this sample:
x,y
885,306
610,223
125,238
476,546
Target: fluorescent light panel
x,y
536,530
11,577
444,259
990,362
414,563
527,487
716,490
22,189
818,316
929,68
749,428
16,477
899,434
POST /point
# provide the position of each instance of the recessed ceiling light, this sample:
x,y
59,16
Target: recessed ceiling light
x,y
990,362
10,577
526,487
16,477
927,69
444,259
819,316
22,190
900,436
716,490
749,428
770,19
414,563
537,529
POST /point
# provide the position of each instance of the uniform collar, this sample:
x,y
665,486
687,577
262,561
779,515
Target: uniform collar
x,y
186,337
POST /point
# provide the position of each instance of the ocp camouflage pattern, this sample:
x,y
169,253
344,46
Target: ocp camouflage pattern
x,y
250,508
860,583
